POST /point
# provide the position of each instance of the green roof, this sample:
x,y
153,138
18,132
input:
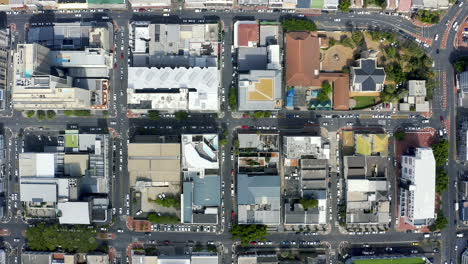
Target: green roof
x,y
316,4
71,141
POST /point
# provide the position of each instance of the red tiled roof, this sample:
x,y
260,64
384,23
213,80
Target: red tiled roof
x,y
247,33
302,58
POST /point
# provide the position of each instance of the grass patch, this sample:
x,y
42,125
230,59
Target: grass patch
x,y
364,101
390,261
71,141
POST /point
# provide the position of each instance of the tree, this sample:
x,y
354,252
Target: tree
x,y
308,203
440,151
71,238
30,113
391,52
249,233
347,42
395,73
400,135
153,114
296,24
163,219
50,114
167,202
233,99
258,114
344,6
441,181
181,115
440,222
223,142
332,41
461,64
358,37
427,16
41,115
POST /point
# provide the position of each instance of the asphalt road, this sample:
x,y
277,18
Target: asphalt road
x,y
14,123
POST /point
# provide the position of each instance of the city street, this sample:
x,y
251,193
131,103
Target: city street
x,y
15,125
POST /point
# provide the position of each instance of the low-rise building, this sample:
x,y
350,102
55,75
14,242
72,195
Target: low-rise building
x,y
417,187
173,89
63,181
260,90
35,87
201,187
367,191
305,171
367,77
416,99
462,85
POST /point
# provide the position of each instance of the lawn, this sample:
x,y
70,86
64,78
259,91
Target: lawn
x,y
71,141
364,101
317,4
390,261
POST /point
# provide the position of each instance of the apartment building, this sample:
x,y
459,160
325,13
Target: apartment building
x,y
417,187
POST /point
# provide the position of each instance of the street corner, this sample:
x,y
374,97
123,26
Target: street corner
x,y
129,223
131,114
134,245
5,232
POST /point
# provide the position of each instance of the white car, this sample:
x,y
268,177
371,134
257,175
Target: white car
x,y
436,37
120,231
166,14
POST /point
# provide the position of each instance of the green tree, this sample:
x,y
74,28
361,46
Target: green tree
x,y
440,223
427,16
400,135
233,99
163,219
167,202
347,42
296,24
344,6
441,181
391,52
440,151
153,114
30,113
181,115
249,233
41,115
461,64
223,142
358,37
332,41
395,73
50,114
73,238
309,203
258,114
267,114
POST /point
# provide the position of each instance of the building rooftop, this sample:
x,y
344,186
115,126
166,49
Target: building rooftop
x,y
252,58
259,142
37,165
260,90
269,35
417,88
154,162
258,199
173,89
246,34
367,75
302,58
73,213
38,192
